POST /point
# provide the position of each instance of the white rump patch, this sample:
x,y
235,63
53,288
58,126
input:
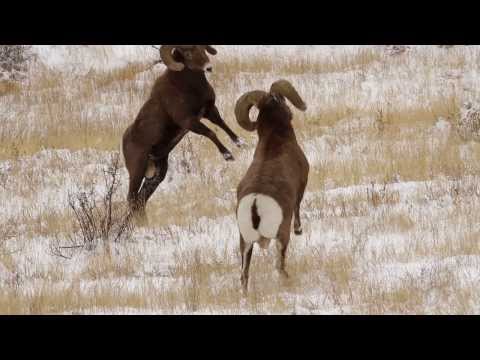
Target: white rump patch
x,y
269,211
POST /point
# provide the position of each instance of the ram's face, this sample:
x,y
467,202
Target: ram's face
x,y
194,58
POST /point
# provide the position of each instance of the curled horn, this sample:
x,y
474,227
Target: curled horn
x,y
211,50
284,88
243,106
167,58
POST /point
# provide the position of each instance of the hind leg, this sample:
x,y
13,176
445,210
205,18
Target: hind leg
x,y
136,163
297,227
152,181
246,251
282,245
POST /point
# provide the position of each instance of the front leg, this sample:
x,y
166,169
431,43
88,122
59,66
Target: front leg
x,y
194,125
212,114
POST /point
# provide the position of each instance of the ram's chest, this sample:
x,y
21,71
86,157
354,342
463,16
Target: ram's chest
x,y
207,97
198,105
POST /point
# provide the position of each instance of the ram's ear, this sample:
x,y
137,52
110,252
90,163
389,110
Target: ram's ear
x,y
169,59
211,50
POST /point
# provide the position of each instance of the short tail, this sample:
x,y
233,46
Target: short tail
x,y
259,218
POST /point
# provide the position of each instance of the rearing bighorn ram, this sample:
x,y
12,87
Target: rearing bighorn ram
x,y
180,98
271,191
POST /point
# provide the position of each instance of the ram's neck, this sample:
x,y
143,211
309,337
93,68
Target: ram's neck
x,y
276,129
273,139
187,78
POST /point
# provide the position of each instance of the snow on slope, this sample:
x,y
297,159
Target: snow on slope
x,y
83,57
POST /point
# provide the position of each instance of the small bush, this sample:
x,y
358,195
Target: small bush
x,y
468,126
97,217
14,61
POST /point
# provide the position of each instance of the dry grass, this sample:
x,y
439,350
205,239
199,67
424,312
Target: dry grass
x,y
303,64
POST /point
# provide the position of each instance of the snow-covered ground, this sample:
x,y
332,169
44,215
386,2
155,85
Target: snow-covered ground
x,y
390,217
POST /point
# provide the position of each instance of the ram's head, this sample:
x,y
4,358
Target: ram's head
x,y
272,102
193,57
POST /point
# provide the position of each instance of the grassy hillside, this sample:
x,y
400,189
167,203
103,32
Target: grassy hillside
x,y
391,214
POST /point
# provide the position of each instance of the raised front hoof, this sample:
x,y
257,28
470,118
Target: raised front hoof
x,y
240,143
298,231
228,156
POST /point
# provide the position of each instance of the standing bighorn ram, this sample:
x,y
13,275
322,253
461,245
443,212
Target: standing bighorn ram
x,y
180,98
271,191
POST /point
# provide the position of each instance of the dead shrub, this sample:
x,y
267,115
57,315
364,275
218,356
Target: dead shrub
x,y
97,217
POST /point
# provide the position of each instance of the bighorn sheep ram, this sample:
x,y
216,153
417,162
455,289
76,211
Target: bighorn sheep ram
x,y
180,98
271,191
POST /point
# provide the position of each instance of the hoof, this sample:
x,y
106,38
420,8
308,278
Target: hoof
x,y
142,222
285,280
298,231
140,219
240,142
228,156
244,283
